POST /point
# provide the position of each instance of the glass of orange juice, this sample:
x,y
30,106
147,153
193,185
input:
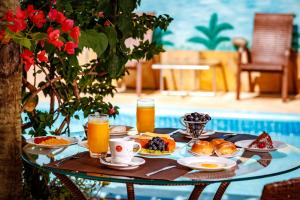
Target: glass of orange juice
x,y
145,115
98,135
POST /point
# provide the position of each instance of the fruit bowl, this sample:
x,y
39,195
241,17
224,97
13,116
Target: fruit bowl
x,y
195,123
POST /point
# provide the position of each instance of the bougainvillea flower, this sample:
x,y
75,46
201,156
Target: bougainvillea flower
x,y
28,60
53,38
42,43
52,15
53,34
2,34
30,10
101,14
38,19
50,29
42,56
21,14
9,16
75,33
17,25
111,111
60,17
107,23
70,47
67,25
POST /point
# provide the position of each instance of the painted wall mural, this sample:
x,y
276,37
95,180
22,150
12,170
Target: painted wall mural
x,y
211,24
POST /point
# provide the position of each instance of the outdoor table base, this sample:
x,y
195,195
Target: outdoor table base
x,y
130,189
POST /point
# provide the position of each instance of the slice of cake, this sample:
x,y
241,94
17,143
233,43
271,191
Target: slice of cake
x,y
263,141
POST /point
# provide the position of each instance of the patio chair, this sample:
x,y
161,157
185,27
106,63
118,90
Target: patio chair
x,y
270,50
288,190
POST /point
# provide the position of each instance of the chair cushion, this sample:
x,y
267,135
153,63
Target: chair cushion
x,y
262,67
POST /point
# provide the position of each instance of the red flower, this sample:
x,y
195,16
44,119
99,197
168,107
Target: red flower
x,y
53,37
101,14
39,19
75,33
52,15
27,56
67,25
2,34
60,17
21,14
41,56
111,111
9,16
107,23
17,25
70,47
42,43
50,29
30,10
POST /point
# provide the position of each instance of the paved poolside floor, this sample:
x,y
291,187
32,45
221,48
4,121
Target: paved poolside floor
x,y
222,101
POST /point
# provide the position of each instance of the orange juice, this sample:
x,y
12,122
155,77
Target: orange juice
x,y
145,118
98,136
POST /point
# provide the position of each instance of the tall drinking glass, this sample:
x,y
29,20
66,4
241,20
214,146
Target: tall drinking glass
x,y
145,115
98,135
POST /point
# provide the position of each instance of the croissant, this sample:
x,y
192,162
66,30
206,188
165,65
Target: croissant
x,y
226,148
202,148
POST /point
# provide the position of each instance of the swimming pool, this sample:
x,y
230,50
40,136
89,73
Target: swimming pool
x,y
282,126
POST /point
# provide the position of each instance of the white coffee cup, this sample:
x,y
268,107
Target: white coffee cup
x,y
122,150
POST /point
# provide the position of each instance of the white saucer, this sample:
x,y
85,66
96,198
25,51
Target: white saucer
x,y
204,135
245,144
135,163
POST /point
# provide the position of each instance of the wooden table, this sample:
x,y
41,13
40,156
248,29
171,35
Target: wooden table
x,y
203,65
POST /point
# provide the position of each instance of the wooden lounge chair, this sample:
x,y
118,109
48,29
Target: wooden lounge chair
x,y
271,49
287,190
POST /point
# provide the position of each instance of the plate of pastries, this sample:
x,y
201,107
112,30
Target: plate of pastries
x,y
218,147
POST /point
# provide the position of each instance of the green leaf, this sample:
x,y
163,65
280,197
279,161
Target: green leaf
x,y
112,37
127,5
25,42
168,43
223,27
219,40
213,22
199,40
94,40
207,32
39,36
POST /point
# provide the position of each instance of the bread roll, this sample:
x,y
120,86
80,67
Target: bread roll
x,y
216,142
226,148
202,148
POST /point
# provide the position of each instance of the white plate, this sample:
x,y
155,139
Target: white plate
x,y
70,139
204,135
136,162
195,163
117,133
245,144
237,153
83,144
145,153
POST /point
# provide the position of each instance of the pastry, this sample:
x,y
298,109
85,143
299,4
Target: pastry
x,y
202,148
217,141
263,141
117,129
225,148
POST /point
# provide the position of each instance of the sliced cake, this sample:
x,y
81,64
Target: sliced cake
x,y
263,141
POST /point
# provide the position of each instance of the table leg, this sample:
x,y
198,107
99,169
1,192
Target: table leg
x,y
130,191
197,191
71,186
221,190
